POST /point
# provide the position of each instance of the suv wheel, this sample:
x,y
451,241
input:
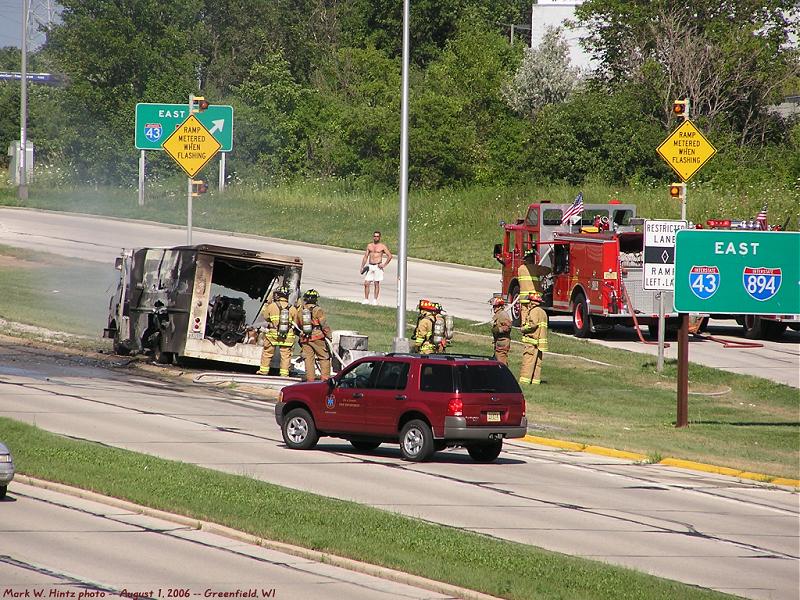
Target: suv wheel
x,y
299,431
485,452
3,490
416,441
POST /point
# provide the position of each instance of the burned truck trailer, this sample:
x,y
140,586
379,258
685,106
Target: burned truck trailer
x,y
198,301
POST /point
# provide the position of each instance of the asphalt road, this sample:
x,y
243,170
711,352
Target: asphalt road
x,y
706,530
462,290
57,545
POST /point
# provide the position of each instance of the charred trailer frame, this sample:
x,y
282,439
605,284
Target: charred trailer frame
x,y
199,301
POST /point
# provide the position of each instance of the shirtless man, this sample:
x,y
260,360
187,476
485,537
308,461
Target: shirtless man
x,y
373,261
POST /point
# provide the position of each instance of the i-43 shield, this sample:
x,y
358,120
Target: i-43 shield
x,y
704,281
761,283
153,131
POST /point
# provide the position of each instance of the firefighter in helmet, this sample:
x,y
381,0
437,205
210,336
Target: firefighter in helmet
x,y
534,336
527,274
314,331
280,316
423,333
501,329
442,328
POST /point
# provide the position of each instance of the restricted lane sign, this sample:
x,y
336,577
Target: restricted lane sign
x,y
155,122
737,272
686,150
191,145
659,254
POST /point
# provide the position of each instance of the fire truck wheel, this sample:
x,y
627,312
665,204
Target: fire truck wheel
x,y
755,328
581,321
516,312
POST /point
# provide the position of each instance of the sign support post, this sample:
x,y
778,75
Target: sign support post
x,y
682,419
141,177
222,172
189,186
661,328
189,213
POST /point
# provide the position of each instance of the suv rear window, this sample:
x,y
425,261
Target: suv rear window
x,y
468,379
495,379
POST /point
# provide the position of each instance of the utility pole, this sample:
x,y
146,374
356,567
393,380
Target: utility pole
x,y
401,342
22,191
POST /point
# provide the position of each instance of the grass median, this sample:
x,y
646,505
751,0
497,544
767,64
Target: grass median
x,y
591,394
477,562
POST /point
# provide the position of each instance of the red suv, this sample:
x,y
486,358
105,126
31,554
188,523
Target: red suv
x,y
427,403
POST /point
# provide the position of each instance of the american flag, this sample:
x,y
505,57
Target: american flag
x,y
575,209
761,218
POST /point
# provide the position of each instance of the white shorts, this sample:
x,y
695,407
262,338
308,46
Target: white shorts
x,y
375,273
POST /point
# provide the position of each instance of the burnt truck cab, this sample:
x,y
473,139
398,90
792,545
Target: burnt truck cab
x,y
199,301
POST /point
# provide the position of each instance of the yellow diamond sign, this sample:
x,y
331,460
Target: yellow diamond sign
x,y
191,146
686,150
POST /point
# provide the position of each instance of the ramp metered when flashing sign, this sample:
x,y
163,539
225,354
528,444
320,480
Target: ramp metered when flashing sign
x,y
659,254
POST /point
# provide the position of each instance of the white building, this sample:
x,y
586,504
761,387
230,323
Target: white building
x,y
553,13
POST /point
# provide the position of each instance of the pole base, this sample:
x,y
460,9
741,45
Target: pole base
x,y
401,345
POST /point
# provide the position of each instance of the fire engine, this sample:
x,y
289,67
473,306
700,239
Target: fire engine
x,y
756,326
591,269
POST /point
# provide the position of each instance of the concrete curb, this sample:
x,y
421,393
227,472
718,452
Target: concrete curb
x,y
240,536
669,462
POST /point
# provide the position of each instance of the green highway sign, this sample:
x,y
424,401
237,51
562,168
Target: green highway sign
x,y
156,122
737,272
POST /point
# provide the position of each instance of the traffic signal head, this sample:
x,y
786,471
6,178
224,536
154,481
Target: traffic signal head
x,y
680,108
199,187
676,190
199,103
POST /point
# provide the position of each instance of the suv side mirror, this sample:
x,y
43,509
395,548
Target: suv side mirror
x,y
498,251
331,383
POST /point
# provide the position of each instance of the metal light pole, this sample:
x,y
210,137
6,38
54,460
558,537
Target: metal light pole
x,y
401,342
22,191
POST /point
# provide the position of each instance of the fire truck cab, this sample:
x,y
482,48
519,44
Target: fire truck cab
x,y
590,268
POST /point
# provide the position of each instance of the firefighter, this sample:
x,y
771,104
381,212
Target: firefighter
x,y
527,273
442,328
280,334
501,329
423,333
314,331
534,336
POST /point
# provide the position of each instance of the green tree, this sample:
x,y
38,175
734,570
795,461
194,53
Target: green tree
x,y
116,53
356,113
432,24
468,77
546,76
732,58
269,121
595,134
